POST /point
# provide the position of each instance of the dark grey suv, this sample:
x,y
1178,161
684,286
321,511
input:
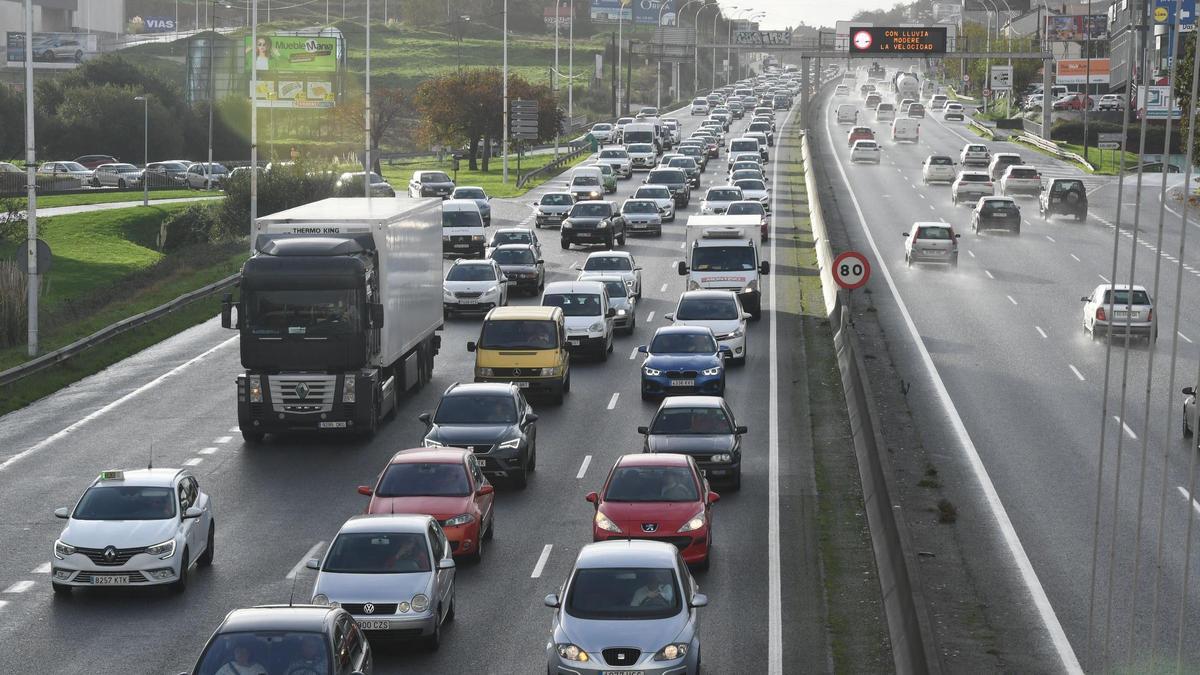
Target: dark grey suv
x,y
492,420
676,180
593,222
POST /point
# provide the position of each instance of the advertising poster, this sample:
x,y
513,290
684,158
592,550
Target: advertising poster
x,y
292,54
52,50
1075,71
645,12
610,11
1075,28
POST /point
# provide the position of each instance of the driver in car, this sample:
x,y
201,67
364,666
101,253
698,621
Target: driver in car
x,y
653,594
311,661
242,663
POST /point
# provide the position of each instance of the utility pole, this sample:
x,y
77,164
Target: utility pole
x,y
1087,79
504,132
571,64
620,49
31,269
370,164
253,120
554,79
212,34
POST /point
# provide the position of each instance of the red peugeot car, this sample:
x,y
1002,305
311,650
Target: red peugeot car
x,y
657,496
445,483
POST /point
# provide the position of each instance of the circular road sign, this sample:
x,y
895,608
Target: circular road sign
x,y
851,270
1161,14
966,77
987,92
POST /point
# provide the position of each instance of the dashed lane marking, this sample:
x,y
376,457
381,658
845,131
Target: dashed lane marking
x,y
541,561
1077,373
587,460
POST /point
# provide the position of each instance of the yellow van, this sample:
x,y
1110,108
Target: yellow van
x,y
526,346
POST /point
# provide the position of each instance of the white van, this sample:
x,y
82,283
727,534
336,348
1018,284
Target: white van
x,y
885,112
587,182
642,132
847,113
588,317
906,130
462,229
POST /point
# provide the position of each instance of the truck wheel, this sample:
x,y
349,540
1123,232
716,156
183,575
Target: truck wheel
x,y
252,437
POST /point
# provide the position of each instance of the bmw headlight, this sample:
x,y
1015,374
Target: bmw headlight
x,y
62,550
420,602
716,370
603,522
723,458
510,444
571,652
694,523
673,651
164,550
460,519
651,372
596,327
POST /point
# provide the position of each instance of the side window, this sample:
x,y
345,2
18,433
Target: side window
x,y
355,645
185,495
476,474
435,542
341,647
194,485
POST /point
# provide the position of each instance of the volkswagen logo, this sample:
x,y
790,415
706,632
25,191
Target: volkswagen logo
x,y
302,391
368,608
110,554
649,527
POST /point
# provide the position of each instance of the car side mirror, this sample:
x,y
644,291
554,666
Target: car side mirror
x,y
643,349
531,418
905,234
486,489
741,429
958,236
541,262
446,563
592,497
1187,391
643,430
1084,299
312,564
610,313
669,316
470,346
713,498
366,490
65,512
425,417
681,268
192,512
699,600
764,267
551,600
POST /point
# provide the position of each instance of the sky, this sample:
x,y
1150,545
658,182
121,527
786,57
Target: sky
x,y
783,13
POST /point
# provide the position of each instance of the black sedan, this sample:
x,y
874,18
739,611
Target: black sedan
x,y
996,213
703,427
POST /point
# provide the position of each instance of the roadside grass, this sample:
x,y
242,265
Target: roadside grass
x,y
104,197
491,181
1107,162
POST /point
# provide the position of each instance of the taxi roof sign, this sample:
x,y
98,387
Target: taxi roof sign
x,y
112,474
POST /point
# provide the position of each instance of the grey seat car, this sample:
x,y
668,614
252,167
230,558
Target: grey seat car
x,y
522,266
627,606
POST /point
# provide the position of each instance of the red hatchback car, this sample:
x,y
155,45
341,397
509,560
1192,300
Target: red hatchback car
x,y
859,134
445,483
657,496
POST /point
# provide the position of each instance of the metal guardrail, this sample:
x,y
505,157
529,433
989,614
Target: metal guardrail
x,y
107,333
554,165
1053,149
909,625
987,131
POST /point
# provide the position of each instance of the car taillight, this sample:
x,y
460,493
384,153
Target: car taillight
x,y
1150,315
1100,314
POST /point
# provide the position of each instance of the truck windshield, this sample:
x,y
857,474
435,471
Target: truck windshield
x,y
519,335
723,259
302,312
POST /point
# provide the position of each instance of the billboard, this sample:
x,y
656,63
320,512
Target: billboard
x,y
294,94
644,12
1164,14
292,53
1075,71
610,11
947,12
560,15
1075,28
1157,103
151,24
894,40
52,50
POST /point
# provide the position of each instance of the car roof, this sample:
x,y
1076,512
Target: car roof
x,y
708,294
512,229
1021,166
144,478
476,388
931,223
1121,287
652,459
387,522
461,205
524,313
430,455
609,254
692,402
473,261
466,187
573,287
657,186
627,553
303,618
683,330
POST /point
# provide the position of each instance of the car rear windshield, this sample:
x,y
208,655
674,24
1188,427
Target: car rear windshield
x,y
1122,297
941,161
377,553
666,176
707,309
590,210
461,219
974,177
934,232
476,408
527,334
425,479
513,256
471,273
1023,173
1067,186
683,343
607,263
652,484
574,304
716,195
616,593
126,502
998,205
746,209
460,193
691,420
865,145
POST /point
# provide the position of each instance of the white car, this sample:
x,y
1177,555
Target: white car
x,y
70,169
618,158
974,154
719,311
660,195
755,189
1117,309
938,169
718,198
119,175
954,111
739,157
619,127
931,242
145,527
699,106
602,132
586,312
1021,179
841,90
642,155
885,112
865,151
474,286
969,186
614,263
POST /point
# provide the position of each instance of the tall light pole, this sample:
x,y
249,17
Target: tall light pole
x,y
554,78
31,268
253,120
504,74
571,63
146,148
658,26
696,45
716,17
370,164
620,50
212,36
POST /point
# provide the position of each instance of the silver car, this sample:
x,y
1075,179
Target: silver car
x,y
200,176
615,263
393,573
620,298
117,175
661,195
550,210
642,216
1114,309
618,158
931,242
626,606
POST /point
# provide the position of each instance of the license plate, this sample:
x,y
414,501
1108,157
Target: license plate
x,y
521,385
639,226
331,425
934,251
574,343
110,579
468,301
462,246
1120,315
624,672
374,625
683,383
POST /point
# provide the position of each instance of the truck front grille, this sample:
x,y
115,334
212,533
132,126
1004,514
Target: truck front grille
x,y
302,393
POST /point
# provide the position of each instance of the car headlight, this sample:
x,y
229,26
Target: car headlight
x,y
594,193
322,599
694,523
603,522
510,444
550,372
567,225
651,372
571,652
420,602
62,550
164,550
485,372
254,385
430,443
673,651
602,226
596,327
493,289
716,370
460,519
447,294
751,287
621,312
477,237
737,333
692,284
348,387
723,458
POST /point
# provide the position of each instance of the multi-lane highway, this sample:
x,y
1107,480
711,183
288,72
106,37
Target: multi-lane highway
x,y
280,503
1006,386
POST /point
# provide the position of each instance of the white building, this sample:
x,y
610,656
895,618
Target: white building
x,y
65,16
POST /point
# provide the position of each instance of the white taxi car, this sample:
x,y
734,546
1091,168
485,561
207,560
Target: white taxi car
x,y
134,528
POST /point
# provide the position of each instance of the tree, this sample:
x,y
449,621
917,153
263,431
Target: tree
x,y
389,106
1183,86
106,119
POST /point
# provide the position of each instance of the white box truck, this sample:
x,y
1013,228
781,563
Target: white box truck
x,y
722,253
337,314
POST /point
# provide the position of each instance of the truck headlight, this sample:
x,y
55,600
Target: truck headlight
x,y
604,523
550,372
254,388
348,388
485,372
164,550
62,550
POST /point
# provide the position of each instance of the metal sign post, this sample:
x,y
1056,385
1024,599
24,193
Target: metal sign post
x,y
523,119
31,240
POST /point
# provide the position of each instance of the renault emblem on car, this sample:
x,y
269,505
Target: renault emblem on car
x,y
368,608
110,554
302,391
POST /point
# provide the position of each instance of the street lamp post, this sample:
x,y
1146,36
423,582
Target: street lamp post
x,y
658,26
31,269
679,22
696,45
146,148
370,164
253,121
504,74
716,18
620,50
571,64
554,77
212,36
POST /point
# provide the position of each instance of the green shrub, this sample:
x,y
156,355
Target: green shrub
x,y
279,189
197,224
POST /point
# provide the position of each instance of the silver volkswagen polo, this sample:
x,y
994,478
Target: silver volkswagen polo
x,y
393,573
627,606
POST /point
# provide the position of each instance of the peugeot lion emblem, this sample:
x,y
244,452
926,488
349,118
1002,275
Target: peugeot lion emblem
x,y
368,608
302,391
649,527
110,554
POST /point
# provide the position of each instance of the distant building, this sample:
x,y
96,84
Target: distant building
x,y
66,16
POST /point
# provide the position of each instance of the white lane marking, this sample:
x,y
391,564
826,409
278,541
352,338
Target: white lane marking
x,y
193,461
931,208
1041,332
1103,278
682,244
1077,373
1058,636
587,460
1076,258
1047,236
663,289
633,354
235,430
311,553
66,431
1183,337
1010,299
921,195
971,253
44,568
541,561
3,604
612,402
19,587
650,317
223,439
1128,431
989,274
1188,497
207,451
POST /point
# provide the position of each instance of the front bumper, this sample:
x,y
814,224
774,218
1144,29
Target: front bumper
x,y
141,569
585,236
595,665
645,227
588,343
480,306
473,248
261,417
663,385
528,385
398,626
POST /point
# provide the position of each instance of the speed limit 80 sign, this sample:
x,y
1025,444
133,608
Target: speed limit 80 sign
x,y
851,270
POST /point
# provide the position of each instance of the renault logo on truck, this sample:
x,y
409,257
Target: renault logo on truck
x,y
302,391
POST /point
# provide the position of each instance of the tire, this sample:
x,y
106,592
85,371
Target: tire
x,y
567,384
450,612
180,584
632,324
252,437
477,557
604,354
433,642
621,239
1080,217
121,183
1187,431
63,590
491,530
566,245
206,558
611,344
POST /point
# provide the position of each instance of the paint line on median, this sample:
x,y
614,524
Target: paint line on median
x,y
1077,373
541,562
